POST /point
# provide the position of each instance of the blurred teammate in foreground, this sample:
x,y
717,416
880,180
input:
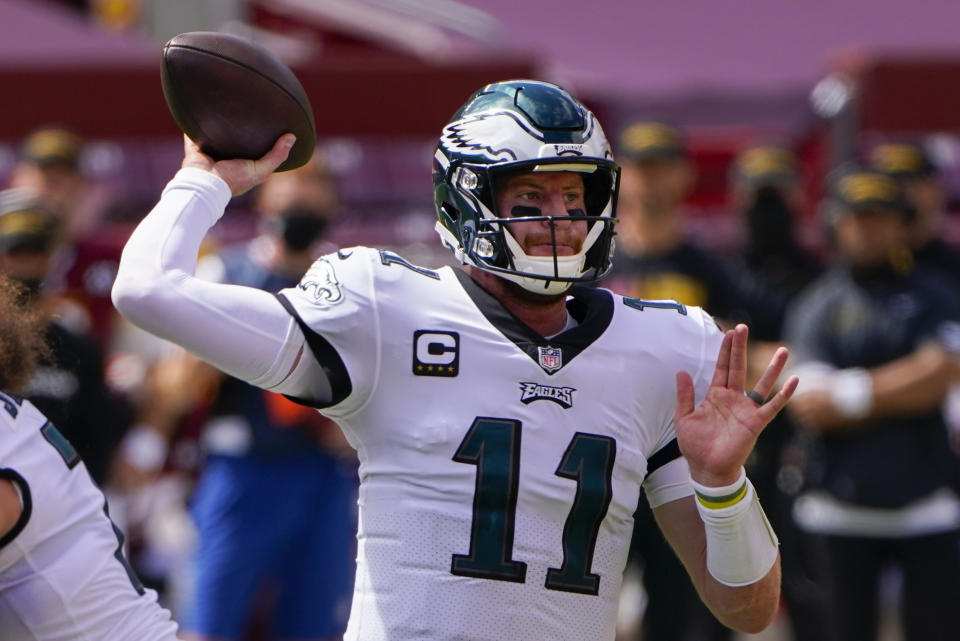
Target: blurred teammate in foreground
x,y
63,574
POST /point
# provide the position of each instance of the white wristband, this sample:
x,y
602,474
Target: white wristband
x,y
741,545
851,391
716,498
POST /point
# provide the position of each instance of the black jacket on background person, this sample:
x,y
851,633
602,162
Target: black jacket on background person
x,y
68,387
693,276
867,319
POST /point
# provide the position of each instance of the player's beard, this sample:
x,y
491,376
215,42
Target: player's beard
x,y
563,237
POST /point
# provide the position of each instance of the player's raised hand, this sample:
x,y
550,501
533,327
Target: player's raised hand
x,y
717,436
240,175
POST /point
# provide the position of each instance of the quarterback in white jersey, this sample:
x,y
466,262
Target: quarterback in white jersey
x,y
505,416
515,490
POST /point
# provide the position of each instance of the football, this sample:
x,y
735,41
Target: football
x,y
234,98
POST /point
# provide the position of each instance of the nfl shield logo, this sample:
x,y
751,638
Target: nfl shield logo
x,y
550,358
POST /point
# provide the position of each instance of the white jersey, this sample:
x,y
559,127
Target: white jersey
x,y
63,576
499,470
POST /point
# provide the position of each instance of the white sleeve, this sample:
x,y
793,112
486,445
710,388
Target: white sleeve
x,y
336,306
668,483
243,331
697,350
708,349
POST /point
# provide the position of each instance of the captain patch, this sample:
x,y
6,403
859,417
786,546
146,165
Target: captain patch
x,y
436,353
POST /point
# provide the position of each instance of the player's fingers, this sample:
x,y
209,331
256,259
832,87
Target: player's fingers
x,y
188,145
280,150
770,409
737,373
772,373
265,165
721,371
193,156
685,395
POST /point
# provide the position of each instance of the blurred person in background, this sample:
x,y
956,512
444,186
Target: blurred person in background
x,y
654,260
873,340
926,194
50,166
766,196
63,572
68,383
274,506
924,190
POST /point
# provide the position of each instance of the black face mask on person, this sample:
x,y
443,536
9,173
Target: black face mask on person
x,y
769,220
299,227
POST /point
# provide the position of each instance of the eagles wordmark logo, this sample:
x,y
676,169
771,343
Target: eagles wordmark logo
x,y
562,396
568,150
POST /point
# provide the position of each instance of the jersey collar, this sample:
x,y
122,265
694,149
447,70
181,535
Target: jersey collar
x,y
591,307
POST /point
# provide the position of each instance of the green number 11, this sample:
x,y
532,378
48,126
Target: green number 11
x,y
493,445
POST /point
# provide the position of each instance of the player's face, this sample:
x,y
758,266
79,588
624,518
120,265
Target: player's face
x,y
653,188
57,186
929,200
553,194
868,237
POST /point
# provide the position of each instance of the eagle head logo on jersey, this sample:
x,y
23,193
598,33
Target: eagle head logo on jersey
x,y
322,279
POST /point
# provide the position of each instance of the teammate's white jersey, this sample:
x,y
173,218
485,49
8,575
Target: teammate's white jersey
x,y
62,574
499,470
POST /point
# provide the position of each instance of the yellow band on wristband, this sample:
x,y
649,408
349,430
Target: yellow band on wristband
x,y
720,502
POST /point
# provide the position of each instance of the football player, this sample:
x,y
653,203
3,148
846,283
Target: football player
x,y
63,574
505,416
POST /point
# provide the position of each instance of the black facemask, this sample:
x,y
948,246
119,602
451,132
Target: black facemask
x,y
769,221
300,227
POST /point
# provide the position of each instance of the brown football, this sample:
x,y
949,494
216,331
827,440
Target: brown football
x,y
234,98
